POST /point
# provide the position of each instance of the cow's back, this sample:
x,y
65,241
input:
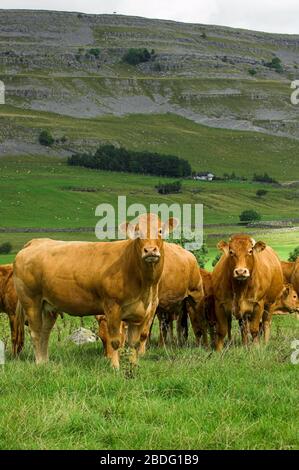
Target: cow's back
x,y
287,270
8,296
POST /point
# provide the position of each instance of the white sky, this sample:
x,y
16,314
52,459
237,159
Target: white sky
x,y
279,16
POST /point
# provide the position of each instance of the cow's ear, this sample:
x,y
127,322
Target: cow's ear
x,y
223,246
170,226
259,246
286,290
131,230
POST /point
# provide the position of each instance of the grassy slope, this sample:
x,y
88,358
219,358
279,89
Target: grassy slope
x,y
217,150
179,399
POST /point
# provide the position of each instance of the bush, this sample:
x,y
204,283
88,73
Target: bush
x,y
169,188
5,248
95,52
111,158
46,138
265,178
203,35
275,64
249,216
136,56
261,192
216,259
252,72
294,254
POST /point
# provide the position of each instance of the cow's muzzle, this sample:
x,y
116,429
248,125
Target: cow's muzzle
x,y
241,274
151,258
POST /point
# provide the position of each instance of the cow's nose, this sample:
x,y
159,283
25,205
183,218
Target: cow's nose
x,y
241,272
151,250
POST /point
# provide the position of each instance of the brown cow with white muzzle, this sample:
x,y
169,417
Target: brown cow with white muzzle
x,y
119,279
246,281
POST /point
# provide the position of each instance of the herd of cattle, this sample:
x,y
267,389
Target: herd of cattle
x,y
126,283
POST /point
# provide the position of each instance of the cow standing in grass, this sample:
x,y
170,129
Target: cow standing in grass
x,y
8,305
119,279
246,281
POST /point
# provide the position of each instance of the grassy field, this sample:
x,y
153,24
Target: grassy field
x,y
178,399
207,149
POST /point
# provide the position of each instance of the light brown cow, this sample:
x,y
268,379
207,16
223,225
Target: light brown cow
x,y
205,319
8,305
295,276
181,281
119,279
287,270
286,302
246,281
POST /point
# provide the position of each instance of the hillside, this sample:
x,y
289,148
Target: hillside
x,y
197,72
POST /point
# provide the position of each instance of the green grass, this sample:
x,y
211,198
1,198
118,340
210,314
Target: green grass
x,y
36,192
217,150
178,399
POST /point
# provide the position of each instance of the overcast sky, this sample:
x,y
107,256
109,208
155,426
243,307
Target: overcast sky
x,y
279,16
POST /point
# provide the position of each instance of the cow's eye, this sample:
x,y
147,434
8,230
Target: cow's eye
x,y
250,251
231,252
160,231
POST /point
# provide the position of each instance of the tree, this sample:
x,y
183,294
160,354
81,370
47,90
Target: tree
x,y
252,72
46,138
95,52
261,192
249,215
294,254
136,56
5,248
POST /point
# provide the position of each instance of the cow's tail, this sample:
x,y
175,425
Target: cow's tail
x,y
19,327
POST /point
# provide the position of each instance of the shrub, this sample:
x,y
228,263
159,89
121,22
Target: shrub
x,y
5,248
249,216
294,254
203,35
265,178
216,259
275,64
252,72
261,192
169,188
136,56
46,138
95,52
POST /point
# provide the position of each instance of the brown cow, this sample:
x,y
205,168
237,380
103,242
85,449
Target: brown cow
x,y
286,302
181,280
295,276
246,281
8,304
119,279
287,270
206,319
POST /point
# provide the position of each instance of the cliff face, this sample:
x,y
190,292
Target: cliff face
x,y
213,75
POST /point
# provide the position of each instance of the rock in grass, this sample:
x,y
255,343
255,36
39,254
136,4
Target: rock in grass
x,y
82,336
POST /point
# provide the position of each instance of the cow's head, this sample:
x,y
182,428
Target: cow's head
x,y
287,301
148,233
241,250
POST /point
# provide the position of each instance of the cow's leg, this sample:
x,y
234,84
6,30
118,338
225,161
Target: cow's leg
x,y
229,327
17,340
48,322
163,328
255,321
146,332
113,318
221,326
35,323
243,323
182,324
134,340
266,323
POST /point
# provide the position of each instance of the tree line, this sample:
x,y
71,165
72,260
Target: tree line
x,y
111,158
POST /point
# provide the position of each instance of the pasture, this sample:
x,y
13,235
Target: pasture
x,y
185,398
